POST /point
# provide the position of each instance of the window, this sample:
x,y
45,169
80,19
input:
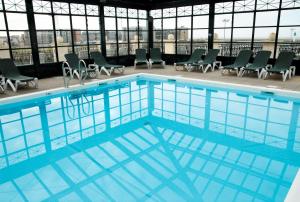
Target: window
x,y
18,39
126,30
200,26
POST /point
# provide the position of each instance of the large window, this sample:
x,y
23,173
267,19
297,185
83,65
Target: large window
x,y
14,35
125,30
61,26
179,30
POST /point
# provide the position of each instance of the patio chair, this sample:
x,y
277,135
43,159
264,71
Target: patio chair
x,y
12,77
259,63
141,58
77,67
208,62
240,61
282,65
195,58
155,57
101,62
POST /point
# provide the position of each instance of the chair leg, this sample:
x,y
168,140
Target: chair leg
x,y
175,66
206,68
285,75
164,64
36,82
105,70
111,71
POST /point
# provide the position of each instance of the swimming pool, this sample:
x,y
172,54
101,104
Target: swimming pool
x,y
149,138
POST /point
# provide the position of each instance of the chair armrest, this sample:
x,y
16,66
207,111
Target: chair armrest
x,y
82,62
268,66
93,66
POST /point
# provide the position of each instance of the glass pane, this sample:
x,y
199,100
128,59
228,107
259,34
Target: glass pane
x,y
157,45
123,49
242,35
3,40
95,48
1,6
169,35
4,54
246,5
289,34
92,10
223,20
156,13
200,21
94,37
82,51
93,23
110,23
62,51
224,48
47,55
184,48
169,23
200,45
22,56
111,49
201,9
80,37
265,34
133,37
223,7
267,4
266,18
2,22
157,23
290,17
43,22
122,24
20,39
184,22
143,25
169,12
41,6
132,13
269,46
143,36
79,22
200,35
15,5
142,14
144,46
62,22
237,47
222,35
169,48
185,10
290,4
132,48
157,35
110,36
123,36
243,20
77,9
60,8
109,11
184,35
122,12
17,21
133,24
63,38
289,47
45,38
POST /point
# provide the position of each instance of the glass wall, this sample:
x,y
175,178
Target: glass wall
x,y
179,30
125,30
258,26
14,32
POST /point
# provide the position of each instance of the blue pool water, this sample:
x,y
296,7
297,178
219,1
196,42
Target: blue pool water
x,y
149,140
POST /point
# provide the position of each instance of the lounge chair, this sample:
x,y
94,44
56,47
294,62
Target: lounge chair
x,y
282,65
240,61
77,67
195,58
259,63
2,85
101,62
12,76
208,62
141,58
155,57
